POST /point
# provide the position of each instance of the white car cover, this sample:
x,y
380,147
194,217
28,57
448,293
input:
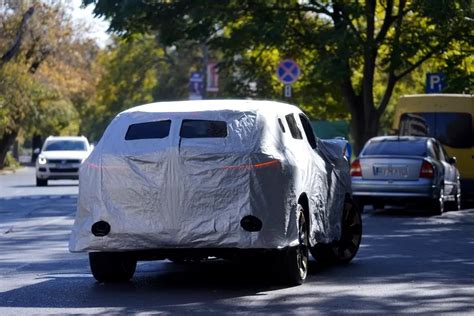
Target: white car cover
x,y
177,192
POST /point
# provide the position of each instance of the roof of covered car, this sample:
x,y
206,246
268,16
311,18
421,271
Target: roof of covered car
x,y
213,105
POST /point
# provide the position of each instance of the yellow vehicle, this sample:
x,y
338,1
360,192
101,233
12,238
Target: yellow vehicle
x,y
448,118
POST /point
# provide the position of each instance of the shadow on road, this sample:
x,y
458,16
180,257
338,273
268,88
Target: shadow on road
x,y
407,262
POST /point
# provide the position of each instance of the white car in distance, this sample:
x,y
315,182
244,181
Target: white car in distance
x,y
60,158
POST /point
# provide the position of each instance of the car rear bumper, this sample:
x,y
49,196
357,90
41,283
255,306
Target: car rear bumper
x,y
421,188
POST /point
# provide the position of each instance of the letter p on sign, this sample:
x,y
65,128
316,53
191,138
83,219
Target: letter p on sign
x,y
434,82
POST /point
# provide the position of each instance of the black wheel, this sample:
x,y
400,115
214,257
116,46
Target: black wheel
x,y
112,266
359,202
345,249
41,182
378,206
296,258
437,205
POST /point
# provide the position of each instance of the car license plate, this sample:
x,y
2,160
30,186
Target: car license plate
x,y
62,166
391,171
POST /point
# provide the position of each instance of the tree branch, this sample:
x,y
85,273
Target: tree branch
x,y
415,65
392,80
15,47
387,22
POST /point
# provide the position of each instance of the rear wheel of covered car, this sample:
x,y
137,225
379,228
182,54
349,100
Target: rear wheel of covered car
x,y
437,205
296,258
112,266
345,249
41,182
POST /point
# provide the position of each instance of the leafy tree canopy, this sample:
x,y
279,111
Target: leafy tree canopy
x,y
43,66
348,46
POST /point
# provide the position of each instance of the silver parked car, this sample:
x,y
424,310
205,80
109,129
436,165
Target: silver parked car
x,y
400,169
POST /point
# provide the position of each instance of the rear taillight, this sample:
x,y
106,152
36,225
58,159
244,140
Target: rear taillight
x,y
355,169
426,170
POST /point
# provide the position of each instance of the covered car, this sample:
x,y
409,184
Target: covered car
x,y
404,169
214,178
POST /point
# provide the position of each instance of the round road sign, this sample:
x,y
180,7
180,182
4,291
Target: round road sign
x,y
288,71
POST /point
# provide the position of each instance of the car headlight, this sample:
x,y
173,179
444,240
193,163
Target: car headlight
x,y
42,160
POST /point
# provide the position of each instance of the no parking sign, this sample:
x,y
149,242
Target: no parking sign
x,y
288,72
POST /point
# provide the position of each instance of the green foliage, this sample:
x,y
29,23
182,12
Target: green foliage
x,y
137,70
10,162
45,82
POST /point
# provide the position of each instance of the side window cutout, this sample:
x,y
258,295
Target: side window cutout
x,y
294,130
148,130
203,129
308,130
282,127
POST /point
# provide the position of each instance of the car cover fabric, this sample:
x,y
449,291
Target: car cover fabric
x,y
192,192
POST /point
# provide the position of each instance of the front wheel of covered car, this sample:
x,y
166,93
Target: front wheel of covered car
x,y
296,259
344,249
112,266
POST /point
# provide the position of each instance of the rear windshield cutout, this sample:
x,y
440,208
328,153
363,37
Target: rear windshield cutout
x,y
282,127
203,129
148,130
400,147
294,130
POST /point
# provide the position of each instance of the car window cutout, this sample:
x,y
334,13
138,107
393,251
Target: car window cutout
x,y
203,129
148,130
282,127
294,130
308,130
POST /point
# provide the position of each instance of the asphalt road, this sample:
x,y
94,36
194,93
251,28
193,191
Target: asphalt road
x,y
409,262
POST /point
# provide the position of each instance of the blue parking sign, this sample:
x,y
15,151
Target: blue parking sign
x,y
434,82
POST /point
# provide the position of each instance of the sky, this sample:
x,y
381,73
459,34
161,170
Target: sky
x,y
98,27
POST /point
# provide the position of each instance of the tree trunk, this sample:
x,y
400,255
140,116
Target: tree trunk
x,y
7,140
36,142
363,129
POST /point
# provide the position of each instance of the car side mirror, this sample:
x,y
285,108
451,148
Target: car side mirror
x,y
36,151
452,160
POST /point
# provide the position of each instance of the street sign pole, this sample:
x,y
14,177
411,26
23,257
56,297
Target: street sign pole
x,y
287,91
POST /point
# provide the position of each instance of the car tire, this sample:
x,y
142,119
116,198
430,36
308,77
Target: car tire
x,y
437,205
41,182
296,258
343,250
360,203
112,266
378,206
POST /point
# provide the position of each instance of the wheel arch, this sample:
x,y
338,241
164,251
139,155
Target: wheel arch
x,y
304,202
